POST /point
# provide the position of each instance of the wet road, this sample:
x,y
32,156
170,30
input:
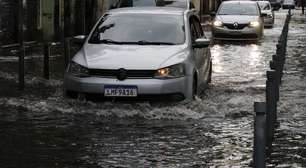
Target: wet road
x,y
49,131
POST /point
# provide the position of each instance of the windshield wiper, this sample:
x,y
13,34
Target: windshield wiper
x,y
143,42
109,41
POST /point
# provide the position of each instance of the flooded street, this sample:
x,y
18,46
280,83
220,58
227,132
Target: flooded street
x,y
43,129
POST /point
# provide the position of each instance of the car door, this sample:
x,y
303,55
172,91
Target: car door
x,y
196,51
202,54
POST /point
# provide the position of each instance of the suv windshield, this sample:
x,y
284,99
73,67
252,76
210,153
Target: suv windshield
x,y
144,29
264,5
136,3
238,9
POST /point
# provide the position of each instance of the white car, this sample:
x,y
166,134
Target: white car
x,y
266,8
185,4
134,52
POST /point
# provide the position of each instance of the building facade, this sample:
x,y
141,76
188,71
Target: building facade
x,y
51,20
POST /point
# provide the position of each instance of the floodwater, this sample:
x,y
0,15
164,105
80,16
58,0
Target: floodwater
x,y
39,128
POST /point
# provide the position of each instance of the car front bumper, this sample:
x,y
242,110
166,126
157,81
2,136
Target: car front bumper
x,y
150,86
247,33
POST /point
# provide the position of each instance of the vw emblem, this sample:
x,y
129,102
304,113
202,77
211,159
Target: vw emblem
x,y
121,74
236,25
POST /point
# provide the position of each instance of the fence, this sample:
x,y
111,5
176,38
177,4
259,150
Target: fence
x,y
266,112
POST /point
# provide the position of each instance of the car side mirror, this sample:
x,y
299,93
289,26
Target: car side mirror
x,y
80,39
264,15
201,43
213,14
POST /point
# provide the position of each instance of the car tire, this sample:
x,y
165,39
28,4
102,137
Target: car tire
x,y
194,88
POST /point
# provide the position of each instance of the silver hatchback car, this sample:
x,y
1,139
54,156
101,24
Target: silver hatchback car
x,y
142,51
238,20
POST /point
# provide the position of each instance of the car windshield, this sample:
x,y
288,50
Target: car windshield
x,y
238,9
137,3
288,1
143,29
264,5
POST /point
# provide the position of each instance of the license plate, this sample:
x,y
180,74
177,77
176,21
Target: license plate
x,y
120,91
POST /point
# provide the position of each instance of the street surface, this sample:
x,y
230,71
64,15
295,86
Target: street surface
x,y
40,128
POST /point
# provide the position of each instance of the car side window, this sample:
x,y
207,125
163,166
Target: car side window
x,y
199,28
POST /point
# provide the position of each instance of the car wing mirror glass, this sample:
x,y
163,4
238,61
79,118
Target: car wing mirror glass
x,y
201,43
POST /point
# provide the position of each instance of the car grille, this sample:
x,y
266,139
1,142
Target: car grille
x,y
231,26
244,36
129,73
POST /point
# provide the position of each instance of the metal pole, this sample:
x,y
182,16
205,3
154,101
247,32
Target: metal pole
x,y
46,61
259,151
273,66
21,44
278,75
303,4
67,51
270,107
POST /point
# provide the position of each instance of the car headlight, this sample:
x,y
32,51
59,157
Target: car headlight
x,y
78,69
174,71
217,23
254,24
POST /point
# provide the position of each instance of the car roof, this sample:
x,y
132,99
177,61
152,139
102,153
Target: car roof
x,y
148,10
239,2
267,2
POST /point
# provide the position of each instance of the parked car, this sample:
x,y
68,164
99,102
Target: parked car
x,y
266,8
276,4
238,20
185,4
142,51
288,4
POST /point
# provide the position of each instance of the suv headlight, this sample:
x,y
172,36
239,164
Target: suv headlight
x,y
78,69
254,24
217,23
174,71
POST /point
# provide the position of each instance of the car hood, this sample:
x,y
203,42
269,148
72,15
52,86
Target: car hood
x,y
136,57
241,19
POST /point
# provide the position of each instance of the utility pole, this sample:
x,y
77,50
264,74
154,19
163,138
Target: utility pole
x,y
303,5
21,43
